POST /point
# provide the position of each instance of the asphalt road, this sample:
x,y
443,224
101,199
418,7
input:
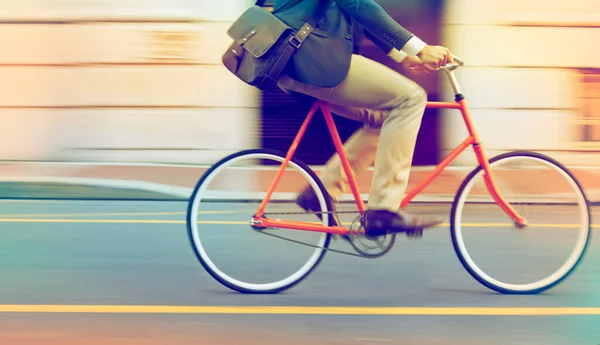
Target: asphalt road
x,y
94,272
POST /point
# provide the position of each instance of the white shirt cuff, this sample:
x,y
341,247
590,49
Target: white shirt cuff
x,y
413,46
397,55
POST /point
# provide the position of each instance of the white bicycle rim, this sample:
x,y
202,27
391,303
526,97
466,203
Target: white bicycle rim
x,y
275,285
568,264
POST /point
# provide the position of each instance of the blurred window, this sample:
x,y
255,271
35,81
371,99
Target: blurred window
x,y
589,122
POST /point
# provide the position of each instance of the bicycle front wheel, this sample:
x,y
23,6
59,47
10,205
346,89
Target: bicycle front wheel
x,y
247,259
521,261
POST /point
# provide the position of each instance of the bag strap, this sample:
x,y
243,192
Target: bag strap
x,y
280,62
307,28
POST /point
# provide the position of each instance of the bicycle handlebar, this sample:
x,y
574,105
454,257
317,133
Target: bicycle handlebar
x,y
458,62
449,68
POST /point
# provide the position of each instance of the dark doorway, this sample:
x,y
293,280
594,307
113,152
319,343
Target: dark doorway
x,y
282,115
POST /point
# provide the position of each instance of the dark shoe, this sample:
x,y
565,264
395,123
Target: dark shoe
x,y
382,222
310,203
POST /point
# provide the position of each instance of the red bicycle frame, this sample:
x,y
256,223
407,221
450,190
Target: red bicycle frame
x,y
471,140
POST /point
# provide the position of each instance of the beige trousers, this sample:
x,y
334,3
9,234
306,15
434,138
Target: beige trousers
x,y
391,106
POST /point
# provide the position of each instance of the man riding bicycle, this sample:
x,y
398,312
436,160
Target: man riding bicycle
x,y
328,67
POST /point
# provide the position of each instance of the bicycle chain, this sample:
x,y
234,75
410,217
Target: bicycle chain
x,y
416,234
308,244
311,245
330,212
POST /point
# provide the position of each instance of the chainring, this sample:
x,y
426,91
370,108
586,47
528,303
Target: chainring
x,y
369,247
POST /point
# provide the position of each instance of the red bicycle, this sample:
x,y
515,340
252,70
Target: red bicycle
x,y
225,186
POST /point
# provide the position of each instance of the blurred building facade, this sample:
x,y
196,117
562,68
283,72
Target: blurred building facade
x,y
134,80
530,78
142,81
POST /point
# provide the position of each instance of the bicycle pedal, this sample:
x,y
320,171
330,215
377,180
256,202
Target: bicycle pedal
x,y
415,234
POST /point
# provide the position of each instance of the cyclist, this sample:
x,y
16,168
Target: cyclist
x,y
328,66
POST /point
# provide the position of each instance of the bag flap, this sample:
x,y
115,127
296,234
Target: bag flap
x,y
257,30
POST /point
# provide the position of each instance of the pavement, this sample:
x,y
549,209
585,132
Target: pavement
x,y
115,266
123,272
176,182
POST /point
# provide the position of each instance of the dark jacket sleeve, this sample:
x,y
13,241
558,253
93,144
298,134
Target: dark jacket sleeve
x,y
383,45
359,32
376,21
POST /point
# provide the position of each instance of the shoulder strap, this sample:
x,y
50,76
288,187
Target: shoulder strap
x,y
310,24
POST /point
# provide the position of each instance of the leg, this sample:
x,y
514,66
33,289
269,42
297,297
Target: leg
x,y
388,139
360,149
391,106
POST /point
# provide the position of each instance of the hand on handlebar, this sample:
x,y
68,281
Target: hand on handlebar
x,y
435,57
415,66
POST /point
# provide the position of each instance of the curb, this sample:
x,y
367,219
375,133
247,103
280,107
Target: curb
x,y
69,188
80,188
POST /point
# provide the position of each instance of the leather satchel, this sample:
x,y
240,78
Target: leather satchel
x,y
263,45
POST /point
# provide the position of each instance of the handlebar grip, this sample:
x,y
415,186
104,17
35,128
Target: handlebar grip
x,y
456,63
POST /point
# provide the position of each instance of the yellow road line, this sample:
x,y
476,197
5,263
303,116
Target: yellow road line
x,y
32,201
137,214
300,310
89,214
116,214
115,221
226,222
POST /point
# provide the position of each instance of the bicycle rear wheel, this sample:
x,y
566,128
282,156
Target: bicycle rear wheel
x,y
521,261
226,198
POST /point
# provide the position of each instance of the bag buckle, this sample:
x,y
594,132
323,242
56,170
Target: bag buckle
x,y
295,42
245,39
